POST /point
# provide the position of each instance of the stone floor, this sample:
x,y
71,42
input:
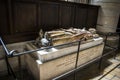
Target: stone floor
x,y
90,72
110,72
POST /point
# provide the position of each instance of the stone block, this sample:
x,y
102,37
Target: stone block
x,y
63,50
53,68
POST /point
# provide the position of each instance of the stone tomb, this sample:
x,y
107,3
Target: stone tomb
x,y
53,66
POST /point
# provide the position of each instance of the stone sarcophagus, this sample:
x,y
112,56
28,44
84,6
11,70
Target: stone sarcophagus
x,y
50,63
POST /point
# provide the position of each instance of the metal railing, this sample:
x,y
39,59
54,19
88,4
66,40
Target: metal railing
x,y
7,53
14,53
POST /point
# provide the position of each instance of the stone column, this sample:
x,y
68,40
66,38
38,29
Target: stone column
x,y
108,18
108,15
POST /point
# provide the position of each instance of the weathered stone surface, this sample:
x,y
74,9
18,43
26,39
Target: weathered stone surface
x,y
53,68
62,51
113,41
108,15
